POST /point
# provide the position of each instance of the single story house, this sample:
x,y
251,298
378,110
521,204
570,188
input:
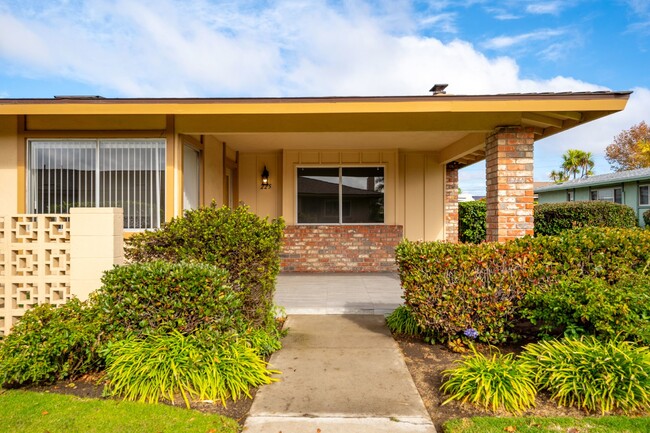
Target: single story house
x,y
351,176
631,187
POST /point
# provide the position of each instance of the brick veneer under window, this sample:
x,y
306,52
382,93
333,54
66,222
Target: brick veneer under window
x,y
340,248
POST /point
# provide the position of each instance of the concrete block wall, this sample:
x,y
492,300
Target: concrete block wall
x,y
96,245
340,248
51,258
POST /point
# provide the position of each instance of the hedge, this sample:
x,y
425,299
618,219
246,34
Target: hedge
x,y
554,218
471,221
452,288
237,240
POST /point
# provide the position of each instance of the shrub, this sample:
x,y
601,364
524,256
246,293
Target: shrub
x,y
591,305
592,375
554,218
453,287
646,218
237,240
497,382
450,288
50,343
197,366
471,221
143,298
401,321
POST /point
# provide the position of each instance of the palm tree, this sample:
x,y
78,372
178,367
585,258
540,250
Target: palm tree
x,y
586,163
570,163
558,176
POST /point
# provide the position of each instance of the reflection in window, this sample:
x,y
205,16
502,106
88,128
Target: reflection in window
x,y
644,195
347,195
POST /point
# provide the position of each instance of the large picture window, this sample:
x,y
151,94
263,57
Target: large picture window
x,y
341,195
99,173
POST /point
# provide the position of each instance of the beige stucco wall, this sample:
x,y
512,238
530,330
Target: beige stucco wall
x,y
8,164
264,202
421,196
212,170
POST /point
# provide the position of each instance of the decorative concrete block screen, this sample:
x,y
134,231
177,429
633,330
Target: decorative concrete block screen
x,y
50,258
340,248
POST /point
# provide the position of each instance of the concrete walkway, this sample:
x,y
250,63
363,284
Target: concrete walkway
x,y
339,374
338,293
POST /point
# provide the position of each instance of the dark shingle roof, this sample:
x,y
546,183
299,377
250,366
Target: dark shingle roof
x,y
600,180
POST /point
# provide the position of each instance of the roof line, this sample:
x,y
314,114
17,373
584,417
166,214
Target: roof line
x,y
446,97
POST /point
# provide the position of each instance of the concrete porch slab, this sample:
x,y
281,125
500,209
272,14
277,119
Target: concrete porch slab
x,y
322,293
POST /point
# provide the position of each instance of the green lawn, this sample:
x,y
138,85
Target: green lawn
x,y
608,424
24,411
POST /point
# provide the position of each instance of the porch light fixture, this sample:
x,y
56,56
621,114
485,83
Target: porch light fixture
x,y
265,179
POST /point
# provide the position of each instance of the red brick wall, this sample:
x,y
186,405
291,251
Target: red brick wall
x,y
509,177
451,202
340,248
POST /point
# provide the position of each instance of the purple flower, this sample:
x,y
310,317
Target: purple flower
x,y
471,333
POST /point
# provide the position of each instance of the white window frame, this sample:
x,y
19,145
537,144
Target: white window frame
x,y
570,195
648,187
341,213
97,171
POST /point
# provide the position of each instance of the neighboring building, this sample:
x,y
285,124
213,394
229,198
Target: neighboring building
x,y
351,176
630,187
465,196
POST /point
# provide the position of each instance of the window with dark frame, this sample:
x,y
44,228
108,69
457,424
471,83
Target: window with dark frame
x,y
340,195
644,195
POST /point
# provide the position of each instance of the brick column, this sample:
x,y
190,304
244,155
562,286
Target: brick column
x,y
451,202
509,178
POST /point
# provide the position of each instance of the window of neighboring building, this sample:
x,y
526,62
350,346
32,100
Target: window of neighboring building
x,y
608,194
570,196
644,195
340,195
126,173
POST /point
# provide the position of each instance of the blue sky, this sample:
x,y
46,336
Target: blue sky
x,y
133,48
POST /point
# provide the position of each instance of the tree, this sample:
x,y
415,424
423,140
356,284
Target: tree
x,y
574,162
630,149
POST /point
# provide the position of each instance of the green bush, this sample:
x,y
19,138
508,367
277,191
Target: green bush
x,y
401,321
198,366
142,298
496,382
451,288
554,218
472,221
592,375
591,305
646,218
50,343
237,240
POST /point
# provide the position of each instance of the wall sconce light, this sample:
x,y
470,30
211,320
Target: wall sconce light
x,y
265,179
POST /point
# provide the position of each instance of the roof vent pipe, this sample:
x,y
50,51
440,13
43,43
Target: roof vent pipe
x,y
438,89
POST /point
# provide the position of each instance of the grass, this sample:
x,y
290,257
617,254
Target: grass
x,y
25,411
608,424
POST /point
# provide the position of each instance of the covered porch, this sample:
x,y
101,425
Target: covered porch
x,y
338,293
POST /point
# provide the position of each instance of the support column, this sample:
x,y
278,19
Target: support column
x,y
509,178
451,202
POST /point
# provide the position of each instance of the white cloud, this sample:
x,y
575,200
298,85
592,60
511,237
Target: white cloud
x,y
544,8
291,47
445,22
502,42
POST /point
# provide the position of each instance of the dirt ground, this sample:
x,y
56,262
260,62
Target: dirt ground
x,y
426,363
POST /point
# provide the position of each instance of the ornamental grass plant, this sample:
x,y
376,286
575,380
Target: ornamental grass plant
x,y
590,374
198,366
495,382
